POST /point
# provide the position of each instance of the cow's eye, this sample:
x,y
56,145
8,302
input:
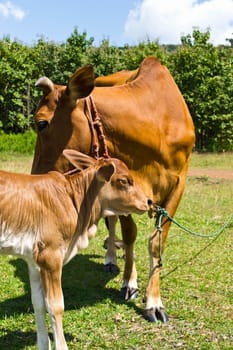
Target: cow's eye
x,y
41,124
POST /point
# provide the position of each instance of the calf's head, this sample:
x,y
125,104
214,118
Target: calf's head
x,y
118,194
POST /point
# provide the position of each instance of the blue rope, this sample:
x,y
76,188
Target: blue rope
x,y
162,212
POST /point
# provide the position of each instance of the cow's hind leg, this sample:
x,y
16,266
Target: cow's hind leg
x,y
129,288
38,303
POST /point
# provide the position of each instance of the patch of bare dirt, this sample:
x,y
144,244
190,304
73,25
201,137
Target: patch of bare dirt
x,y
213,173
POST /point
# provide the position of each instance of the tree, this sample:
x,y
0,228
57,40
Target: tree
x,y
74,52
15,87
204,75
46,59
203,72
108,59
230,40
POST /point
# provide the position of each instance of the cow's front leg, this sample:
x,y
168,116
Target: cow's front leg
x,y
111,256
154,309
51,271
38,303
129,288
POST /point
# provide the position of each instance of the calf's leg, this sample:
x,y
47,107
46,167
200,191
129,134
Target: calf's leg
x,y
51,271
38,303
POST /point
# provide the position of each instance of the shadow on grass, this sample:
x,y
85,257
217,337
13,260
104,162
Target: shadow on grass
x,y
17,339
83,283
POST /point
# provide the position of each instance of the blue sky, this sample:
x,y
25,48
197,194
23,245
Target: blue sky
x,y
120,21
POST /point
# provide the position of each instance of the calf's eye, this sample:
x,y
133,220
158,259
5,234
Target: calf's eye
x,y
123,181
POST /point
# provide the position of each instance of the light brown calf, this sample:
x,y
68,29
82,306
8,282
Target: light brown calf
x,y
46,219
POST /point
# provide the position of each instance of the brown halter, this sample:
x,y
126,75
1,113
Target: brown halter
x,y
96,125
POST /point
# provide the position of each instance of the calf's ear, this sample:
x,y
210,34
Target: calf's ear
x,y
105,172
79,160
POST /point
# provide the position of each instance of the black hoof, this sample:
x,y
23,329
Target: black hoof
x,y
111,268
156,315
129,293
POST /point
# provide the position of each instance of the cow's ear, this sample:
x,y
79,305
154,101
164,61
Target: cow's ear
x,y
79,160
105,172
81,83
45,84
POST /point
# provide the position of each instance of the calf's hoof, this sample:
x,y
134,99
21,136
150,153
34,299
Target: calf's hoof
x,y
155,315
129,293
112,268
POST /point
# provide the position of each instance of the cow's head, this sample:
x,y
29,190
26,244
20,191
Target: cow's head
x,y
56,122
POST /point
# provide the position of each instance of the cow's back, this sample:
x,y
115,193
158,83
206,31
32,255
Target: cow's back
x,y
150,111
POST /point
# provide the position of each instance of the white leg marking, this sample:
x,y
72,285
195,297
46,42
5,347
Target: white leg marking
x,y
38,302
56,321
154,303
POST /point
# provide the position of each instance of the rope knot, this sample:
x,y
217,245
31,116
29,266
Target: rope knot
x,y
159,211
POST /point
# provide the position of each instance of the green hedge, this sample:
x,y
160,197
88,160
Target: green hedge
x,y
202,71
19,143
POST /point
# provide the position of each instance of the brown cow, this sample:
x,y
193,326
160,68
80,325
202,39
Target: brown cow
x,y
47,219
146,123
118,78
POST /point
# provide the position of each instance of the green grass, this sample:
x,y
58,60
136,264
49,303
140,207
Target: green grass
x,y
20,143
212,160
16,162
196,284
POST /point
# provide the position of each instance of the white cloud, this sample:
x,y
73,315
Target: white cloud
x,y
168,20
8,9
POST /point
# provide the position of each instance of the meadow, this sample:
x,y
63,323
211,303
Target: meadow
x,y
196,280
